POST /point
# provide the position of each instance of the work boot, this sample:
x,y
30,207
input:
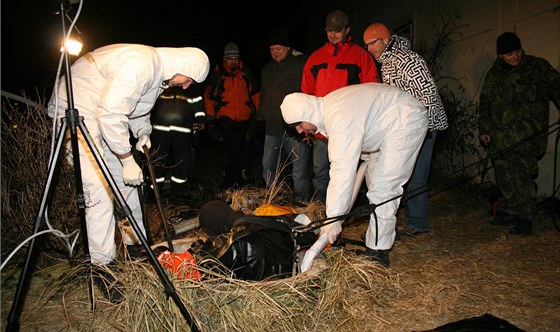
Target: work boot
x,y
523,226
110,287
379,256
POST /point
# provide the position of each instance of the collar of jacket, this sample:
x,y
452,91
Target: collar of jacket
x,y
334,49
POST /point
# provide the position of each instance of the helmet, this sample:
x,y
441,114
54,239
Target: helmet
x,y
376,30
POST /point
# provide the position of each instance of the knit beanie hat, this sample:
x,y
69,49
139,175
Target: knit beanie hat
x,y
216,217
337,20
376,31
507,42
231,51
278,38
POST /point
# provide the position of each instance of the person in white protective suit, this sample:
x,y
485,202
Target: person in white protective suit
x,y
378,123
114,88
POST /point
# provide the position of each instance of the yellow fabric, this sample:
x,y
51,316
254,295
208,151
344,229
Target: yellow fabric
x,y
273,210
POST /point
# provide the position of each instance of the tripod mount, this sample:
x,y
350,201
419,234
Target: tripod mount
x,y
73,122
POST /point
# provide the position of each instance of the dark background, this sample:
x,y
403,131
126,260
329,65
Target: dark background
x,y
32,31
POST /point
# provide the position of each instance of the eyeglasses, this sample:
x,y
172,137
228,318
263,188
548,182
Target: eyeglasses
x,y
371,43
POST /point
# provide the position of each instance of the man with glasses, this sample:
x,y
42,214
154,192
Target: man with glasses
x,y
405,69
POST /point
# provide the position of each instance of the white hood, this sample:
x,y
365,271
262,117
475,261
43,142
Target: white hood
x,y
298,107
188,61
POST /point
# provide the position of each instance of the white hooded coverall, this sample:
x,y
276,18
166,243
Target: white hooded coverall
x,y
114,88
375,122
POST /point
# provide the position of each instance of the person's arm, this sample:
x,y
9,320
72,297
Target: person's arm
x,y
369,73
553,77
420,83
308,81
484,110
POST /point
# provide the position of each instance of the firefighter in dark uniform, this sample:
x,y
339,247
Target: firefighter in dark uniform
x,y
176,117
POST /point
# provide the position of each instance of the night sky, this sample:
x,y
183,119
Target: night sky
x,y
31,31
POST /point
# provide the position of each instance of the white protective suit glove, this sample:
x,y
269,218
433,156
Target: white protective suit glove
x,y
132,173
331,231
143,139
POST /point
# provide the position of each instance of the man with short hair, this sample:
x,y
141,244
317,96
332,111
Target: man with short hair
x,y
338,63
280,77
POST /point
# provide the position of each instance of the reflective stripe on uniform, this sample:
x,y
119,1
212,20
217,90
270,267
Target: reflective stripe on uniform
x,y
172,128
176,180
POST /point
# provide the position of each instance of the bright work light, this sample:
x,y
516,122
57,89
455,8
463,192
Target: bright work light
x,y
73,47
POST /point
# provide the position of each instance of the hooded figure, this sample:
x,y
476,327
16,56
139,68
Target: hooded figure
x,y
378,123
114,89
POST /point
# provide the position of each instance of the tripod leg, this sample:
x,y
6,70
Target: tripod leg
x,y
13,318
125,208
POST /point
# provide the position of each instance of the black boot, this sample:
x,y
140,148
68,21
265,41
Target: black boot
x,y
379,256
523,226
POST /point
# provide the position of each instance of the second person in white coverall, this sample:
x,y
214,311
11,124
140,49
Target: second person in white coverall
x,y
380,124
114,88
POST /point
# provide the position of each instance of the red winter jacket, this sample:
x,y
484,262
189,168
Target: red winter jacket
x,y
335,66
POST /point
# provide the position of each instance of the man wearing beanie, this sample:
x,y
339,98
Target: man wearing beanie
x,y
338,63
231,100
404,68
513,122
280,77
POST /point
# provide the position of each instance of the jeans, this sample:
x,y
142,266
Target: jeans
x,y
298,155
416,195
321,167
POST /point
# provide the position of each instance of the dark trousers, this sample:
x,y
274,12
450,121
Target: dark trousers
x,y
234,133
171,150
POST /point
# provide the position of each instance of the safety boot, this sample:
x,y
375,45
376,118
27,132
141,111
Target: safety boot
x,y
379,256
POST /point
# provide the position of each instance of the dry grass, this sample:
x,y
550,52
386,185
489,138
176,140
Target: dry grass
x,y
463,268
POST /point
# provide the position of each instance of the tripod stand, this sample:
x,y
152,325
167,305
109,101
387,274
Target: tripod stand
x,y
73,122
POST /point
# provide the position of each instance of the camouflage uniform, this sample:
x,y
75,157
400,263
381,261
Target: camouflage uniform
x,y
514,105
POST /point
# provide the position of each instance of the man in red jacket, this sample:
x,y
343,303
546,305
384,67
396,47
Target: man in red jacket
x,y
338,63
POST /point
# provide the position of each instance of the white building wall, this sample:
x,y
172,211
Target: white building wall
x,y
473,50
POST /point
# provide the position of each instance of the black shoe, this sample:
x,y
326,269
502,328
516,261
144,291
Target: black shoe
x,y
409,231
522,226
504,220
379,256
111,288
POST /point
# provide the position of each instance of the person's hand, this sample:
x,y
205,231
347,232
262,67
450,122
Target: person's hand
x,y
132,173
198,126
144,139
214,132
331,231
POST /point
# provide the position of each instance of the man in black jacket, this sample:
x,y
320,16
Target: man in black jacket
x,y
176,117
280,77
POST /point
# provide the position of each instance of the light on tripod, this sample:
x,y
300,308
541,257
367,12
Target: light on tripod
x,y
72,46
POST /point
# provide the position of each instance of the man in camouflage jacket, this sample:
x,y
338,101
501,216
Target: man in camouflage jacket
x,y
513,121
